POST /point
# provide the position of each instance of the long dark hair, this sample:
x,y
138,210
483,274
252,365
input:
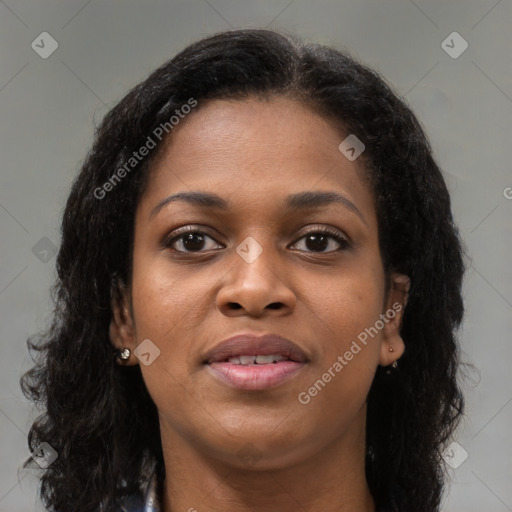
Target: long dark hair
x,y
99,417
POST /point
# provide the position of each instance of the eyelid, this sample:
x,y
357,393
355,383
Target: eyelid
x,y
323,228
189,228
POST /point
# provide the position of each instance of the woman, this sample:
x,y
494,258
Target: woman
x,y
259,285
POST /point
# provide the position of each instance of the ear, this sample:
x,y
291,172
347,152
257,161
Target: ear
x,y
122,331
392,345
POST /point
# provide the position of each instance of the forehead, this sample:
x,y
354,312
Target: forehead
x,y
264,129
257,148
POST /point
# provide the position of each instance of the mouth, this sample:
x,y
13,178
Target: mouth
x,y
249,348
258,359
251,362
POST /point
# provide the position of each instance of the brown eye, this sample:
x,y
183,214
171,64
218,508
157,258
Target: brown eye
x,y
192,240
323,241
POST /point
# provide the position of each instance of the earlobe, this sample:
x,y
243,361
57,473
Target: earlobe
x,y
121,329
392,345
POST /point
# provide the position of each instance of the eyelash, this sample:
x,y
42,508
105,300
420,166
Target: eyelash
x,y
331,232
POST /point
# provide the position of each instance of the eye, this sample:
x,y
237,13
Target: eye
x,y
318,240
190,240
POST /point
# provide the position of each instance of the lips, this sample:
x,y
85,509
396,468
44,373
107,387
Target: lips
x,y
252,345
256,363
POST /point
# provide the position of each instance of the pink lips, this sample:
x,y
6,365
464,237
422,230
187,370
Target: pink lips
x,y
255,376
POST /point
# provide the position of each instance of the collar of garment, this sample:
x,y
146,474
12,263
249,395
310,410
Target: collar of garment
x,y
149,501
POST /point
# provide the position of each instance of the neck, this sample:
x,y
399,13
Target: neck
x,y
332,480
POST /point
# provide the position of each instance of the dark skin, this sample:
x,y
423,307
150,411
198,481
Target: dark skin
x,y
253,154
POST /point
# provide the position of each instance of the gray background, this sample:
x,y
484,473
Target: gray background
x,y
49,107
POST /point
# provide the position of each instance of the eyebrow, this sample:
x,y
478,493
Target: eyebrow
x,y
294,202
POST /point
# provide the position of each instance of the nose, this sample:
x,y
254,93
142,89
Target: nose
x,y
256,288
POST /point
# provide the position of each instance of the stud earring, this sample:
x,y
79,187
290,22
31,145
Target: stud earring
x,y
123,354
395,363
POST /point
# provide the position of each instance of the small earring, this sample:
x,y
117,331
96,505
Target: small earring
x,y
123,353
391,369
391,349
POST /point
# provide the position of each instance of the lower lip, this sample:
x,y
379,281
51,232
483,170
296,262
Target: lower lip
x,y
255,377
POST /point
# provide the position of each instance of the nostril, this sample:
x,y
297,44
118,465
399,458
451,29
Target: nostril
x,y
275,305
234,305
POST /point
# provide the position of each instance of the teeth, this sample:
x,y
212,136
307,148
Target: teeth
x,y
264,359
256,359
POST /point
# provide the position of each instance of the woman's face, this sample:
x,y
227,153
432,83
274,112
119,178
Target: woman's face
x,y
258,265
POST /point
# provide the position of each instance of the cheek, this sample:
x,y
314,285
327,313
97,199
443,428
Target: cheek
x,y
350,306
163,298
349,303
339,381
164,311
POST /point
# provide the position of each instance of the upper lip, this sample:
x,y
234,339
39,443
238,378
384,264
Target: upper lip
x,y
248,344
